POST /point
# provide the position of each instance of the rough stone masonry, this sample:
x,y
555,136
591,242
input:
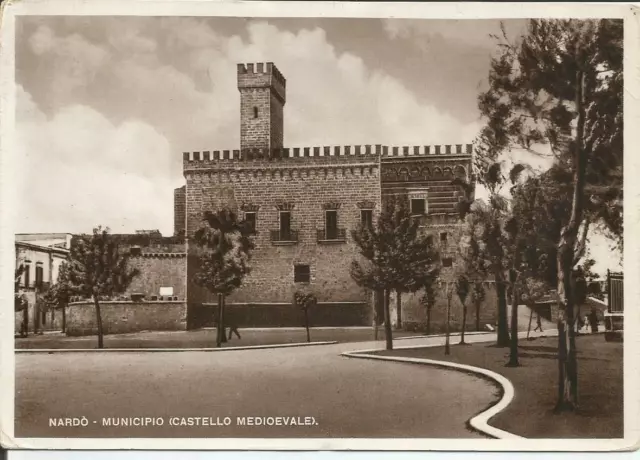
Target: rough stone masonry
x,y
305,202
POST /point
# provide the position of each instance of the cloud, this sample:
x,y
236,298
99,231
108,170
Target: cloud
x,y
476,32
78,170
109,104
335,98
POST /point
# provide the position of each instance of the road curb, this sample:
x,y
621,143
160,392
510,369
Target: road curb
x,y
454,334
480,421
167,350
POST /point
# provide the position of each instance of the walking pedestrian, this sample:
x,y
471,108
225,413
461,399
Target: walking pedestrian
x,y
593,320
233,328
538,323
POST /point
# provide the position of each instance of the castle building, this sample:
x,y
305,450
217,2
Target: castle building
x,y
303,203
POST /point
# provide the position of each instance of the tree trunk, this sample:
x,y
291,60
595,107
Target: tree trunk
x,y
567,362
387,320
306,323
464,323
513,352
222,319
477,316
503,331
375,297
428,320
398,310
36,316
447,347
219,329
99,322
25,320
578,316
64,318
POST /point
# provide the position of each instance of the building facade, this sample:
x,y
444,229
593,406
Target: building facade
x,y
304,202
40,256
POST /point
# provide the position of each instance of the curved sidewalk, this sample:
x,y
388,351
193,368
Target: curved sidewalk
x,y
479,422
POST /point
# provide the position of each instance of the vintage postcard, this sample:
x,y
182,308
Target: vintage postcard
x,y
319,226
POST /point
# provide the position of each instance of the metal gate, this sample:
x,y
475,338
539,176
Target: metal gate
x,y
614,317
615,291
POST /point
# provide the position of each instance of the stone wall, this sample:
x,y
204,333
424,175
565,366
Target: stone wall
x,y
179,210
246,315
159,270
124,317
305,186
414,313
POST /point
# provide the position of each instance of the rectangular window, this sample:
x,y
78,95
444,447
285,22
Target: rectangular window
x,y
250,219
39,276
447,262
418,206
443,237
301,273
331,224
285,225
27,275
366,218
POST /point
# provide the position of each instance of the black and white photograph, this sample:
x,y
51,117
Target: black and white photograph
x,y
319,227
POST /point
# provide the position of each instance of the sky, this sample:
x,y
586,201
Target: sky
x,y
107,105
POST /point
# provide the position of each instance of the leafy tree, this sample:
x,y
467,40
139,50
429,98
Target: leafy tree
x,y
395,256
478,295
59,294
97,268
224,250
18,299
20,302
449,289
488,248
305,301
463,287
561,85
473,264
428,299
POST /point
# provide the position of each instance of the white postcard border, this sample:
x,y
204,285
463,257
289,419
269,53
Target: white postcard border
x,y
323,9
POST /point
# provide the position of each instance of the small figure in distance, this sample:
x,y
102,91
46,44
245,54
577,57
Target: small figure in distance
x,y
233,328
593,320
538,323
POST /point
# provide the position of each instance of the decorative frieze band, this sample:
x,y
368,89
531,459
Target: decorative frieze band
x,y
287,173
329,151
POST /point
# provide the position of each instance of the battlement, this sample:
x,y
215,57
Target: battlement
x,y
382,151
262,75
264,68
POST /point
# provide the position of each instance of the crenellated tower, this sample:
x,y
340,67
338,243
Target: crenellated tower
x,y
262,97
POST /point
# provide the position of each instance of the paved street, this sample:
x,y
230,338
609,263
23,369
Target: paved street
x,y
346,397
204,338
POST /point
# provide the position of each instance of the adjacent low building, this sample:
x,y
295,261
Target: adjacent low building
x,y
40,256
